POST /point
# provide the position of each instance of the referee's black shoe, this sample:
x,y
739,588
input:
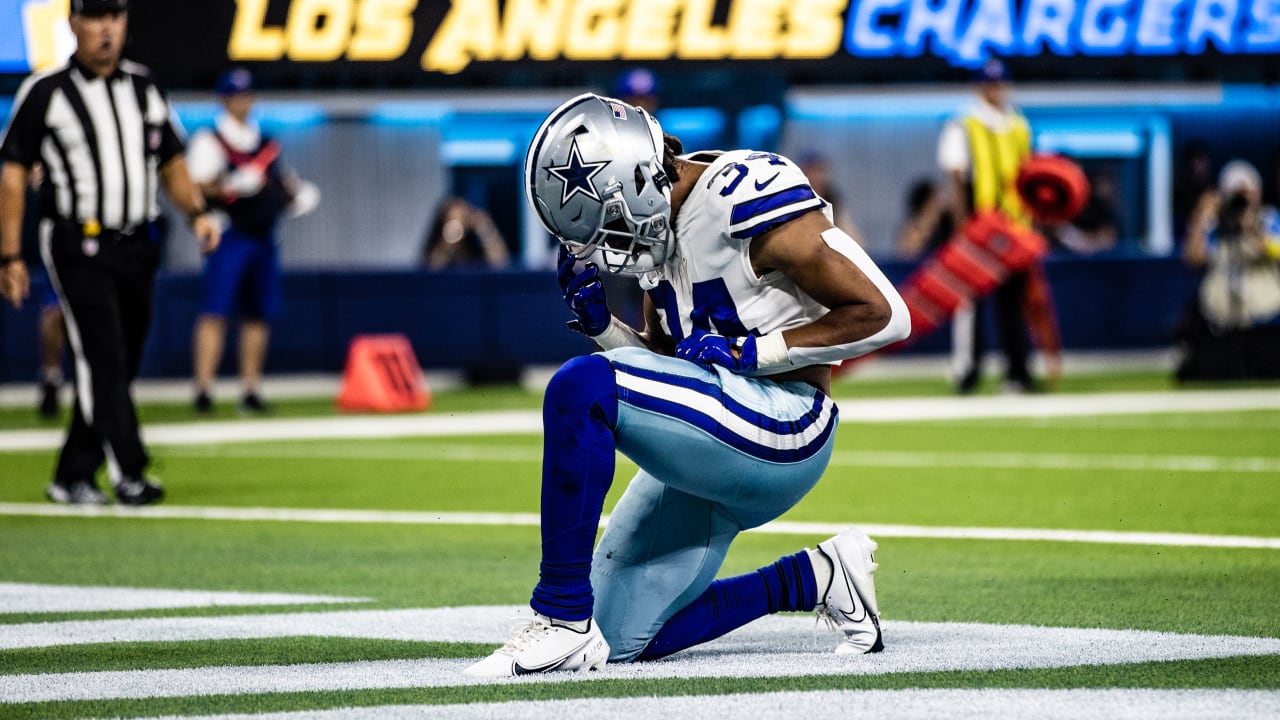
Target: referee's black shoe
x,y
138,491
78,492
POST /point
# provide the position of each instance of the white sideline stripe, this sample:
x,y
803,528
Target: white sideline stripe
x,y
405,517
33,598
843,458
1058,461
1074,704
852,410
515,422
775,646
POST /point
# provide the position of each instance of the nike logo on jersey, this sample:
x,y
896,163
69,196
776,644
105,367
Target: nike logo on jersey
x,y
766,183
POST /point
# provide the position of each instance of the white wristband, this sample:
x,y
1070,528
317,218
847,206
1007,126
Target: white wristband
x,y
771,351
618,334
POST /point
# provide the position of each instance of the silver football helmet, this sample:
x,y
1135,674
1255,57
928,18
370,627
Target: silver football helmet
x,y
594,175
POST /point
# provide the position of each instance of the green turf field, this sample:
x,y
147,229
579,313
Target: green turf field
x,y
422,524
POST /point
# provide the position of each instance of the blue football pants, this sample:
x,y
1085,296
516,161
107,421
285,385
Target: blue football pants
x,y
718,453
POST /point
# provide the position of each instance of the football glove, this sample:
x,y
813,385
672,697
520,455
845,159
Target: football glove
x,y
705,348
584,294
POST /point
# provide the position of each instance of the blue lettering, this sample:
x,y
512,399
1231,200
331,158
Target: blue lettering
x,y
991,24
714,309
967,31
1212,20
928,17
1263,34
1157,20
1048,22
1104,27
865,35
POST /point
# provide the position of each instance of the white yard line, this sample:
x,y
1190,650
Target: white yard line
x,y
852,410
33,598
915,704
775,646
404,517
1059,461
845,458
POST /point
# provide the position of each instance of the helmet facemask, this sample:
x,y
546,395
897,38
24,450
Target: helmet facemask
x,y
625,243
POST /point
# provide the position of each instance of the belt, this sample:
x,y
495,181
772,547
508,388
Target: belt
x,y
93,229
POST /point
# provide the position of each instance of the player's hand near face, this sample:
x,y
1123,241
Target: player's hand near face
x,y
584,294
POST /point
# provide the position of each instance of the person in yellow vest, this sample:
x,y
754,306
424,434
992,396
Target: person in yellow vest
x,y
981,151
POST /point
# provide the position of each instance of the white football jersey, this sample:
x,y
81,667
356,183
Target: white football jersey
x,y
708,282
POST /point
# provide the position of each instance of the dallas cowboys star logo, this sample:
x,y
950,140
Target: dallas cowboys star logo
x,y
577,175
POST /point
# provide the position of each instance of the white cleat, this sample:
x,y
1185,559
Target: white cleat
x,y
546,645
850,602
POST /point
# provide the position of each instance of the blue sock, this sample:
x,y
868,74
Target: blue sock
x,y
579,412
728,604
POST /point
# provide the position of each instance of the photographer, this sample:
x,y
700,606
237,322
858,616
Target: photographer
x,y
1235,239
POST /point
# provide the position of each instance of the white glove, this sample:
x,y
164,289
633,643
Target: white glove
x,y
244,182
305,199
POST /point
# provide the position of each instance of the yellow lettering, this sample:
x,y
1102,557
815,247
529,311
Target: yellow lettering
x,y
650,30
249,39
41,22
533,26
594,29
383,30
469,32
697,38
755,28
814,28
318,30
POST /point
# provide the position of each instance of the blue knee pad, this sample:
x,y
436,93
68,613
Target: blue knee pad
x,y
583,387
579,412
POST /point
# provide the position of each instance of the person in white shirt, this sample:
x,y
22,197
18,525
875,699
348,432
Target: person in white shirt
x,y
241,174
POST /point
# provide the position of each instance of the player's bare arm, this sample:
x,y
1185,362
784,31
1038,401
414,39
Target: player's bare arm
x,y
858,309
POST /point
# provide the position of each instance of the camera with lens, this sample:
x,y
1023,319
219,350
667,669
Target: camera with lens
x,y
1231,216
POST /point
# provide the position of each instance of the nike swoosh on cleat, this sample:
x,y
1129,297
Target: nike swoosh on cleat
x,y
519,669
857,600
766,183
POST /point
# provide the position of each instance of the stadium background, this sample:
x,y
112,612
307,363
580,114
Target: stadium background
x,y
390,105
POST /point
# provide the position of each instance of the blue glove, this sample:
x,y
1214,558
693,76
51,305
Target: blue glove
x,y
704,348
584,294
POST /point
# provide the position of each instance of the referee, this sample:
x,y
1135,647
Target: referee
x,y
102,130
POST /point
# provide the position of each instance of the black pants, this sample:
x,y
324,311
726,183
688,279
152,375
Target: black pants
x,y
1011,326
105,286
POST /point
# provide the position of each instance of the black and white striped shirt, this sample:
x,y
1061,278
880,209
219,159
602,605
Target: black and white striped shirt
x,y
102,141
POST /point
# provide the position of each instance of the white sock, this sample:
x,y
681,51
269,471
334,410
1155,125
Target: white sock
x,y
823,571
